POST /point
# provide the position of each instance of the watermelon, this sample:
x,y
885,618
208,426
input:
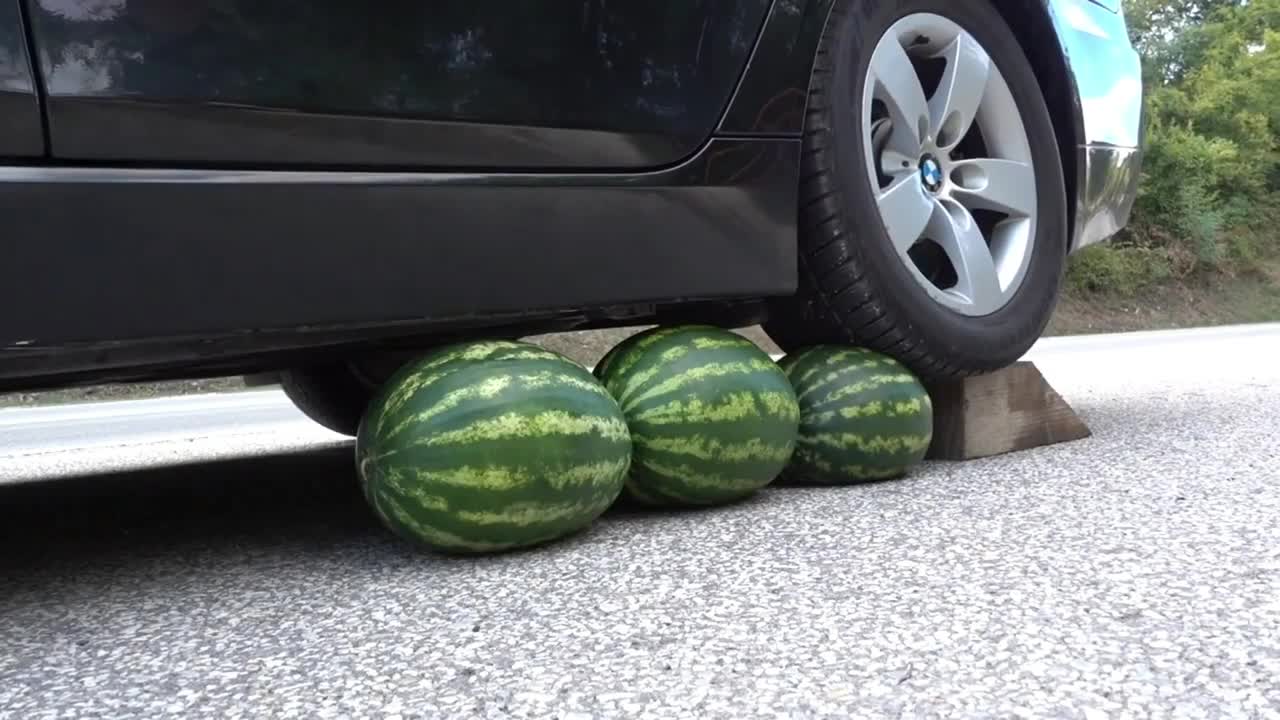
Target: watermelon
x,y
712,417
491,446
863,416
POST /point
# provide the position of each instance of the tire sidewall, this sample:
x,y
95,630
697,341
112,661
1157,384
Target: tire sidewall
x,y
1016,325
332,395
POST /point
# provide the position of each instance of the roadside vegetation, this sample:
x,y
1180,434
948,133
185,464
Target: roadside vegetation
x,y
1207,222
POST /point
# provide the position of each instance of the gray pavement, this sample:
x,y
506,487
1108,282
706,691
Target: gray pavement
x,y
42,443
1133,574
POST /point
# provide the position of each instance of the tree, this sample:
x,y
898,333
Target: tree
x,y
1212,165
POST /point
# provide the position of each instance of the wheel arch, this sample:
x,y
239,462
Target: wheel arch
x,y
1031,19
773,93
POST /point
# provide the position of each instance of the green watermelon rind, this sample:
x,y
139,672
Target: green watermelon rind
x,y
712,417
863,416
490,446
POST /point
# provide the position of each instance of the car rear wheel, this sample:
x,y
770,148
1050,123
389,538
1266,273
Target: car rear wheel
x,y
334,395
933,209
336,392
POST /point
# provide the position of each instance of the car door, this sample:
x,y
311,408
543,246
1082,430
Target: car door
x,y
21,135
508,84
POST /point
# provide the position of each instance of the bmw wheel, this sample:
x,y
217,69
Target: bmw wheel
x,y
933,209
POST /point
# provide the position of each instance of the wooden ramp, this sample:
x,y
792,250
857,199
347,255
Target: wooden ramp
x,y
1006,411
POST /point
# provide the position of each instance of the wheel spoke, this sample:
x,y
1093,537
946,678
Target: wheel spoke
x,y
902,94
954,228
964,83
1004,186
930,84
906,211
893,163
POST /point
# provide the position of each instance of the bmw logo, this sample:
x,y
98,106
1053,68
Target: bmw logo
x,y
931,173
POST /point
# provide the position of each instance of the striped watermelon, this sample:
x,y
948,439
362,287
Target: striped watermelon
x,y
863,416
712,417
490,446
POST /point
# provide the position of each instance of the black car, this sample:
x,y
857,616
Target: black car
x,y
220,187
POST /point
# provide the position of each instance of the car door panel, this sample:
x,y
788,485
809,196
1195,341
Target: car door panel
x,y
452,83
21,134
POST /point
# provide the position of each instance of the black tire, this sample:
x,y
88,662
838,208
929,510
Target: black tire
x,y
853,287
333,395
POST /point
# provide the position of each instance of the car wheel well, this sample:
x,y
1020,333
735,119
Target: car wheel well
x,y
1030,21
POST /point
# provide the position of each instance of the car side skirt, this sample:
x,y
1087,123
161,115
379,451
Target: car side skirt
x,y
197,264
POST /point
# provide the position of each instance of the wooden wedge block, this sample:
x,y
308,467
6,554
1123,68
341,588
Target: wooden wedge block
x,y
1006,411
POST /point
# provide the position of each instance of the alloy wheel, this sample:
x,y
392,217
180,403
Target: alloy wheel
x,y
950,163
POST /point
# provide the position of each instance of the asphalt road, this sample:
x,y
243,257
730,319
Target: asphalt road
x,y
42,443
1133,574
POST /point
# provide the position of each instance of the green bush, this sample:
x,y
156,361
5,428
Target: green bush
x,y
1211,174
1123,270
